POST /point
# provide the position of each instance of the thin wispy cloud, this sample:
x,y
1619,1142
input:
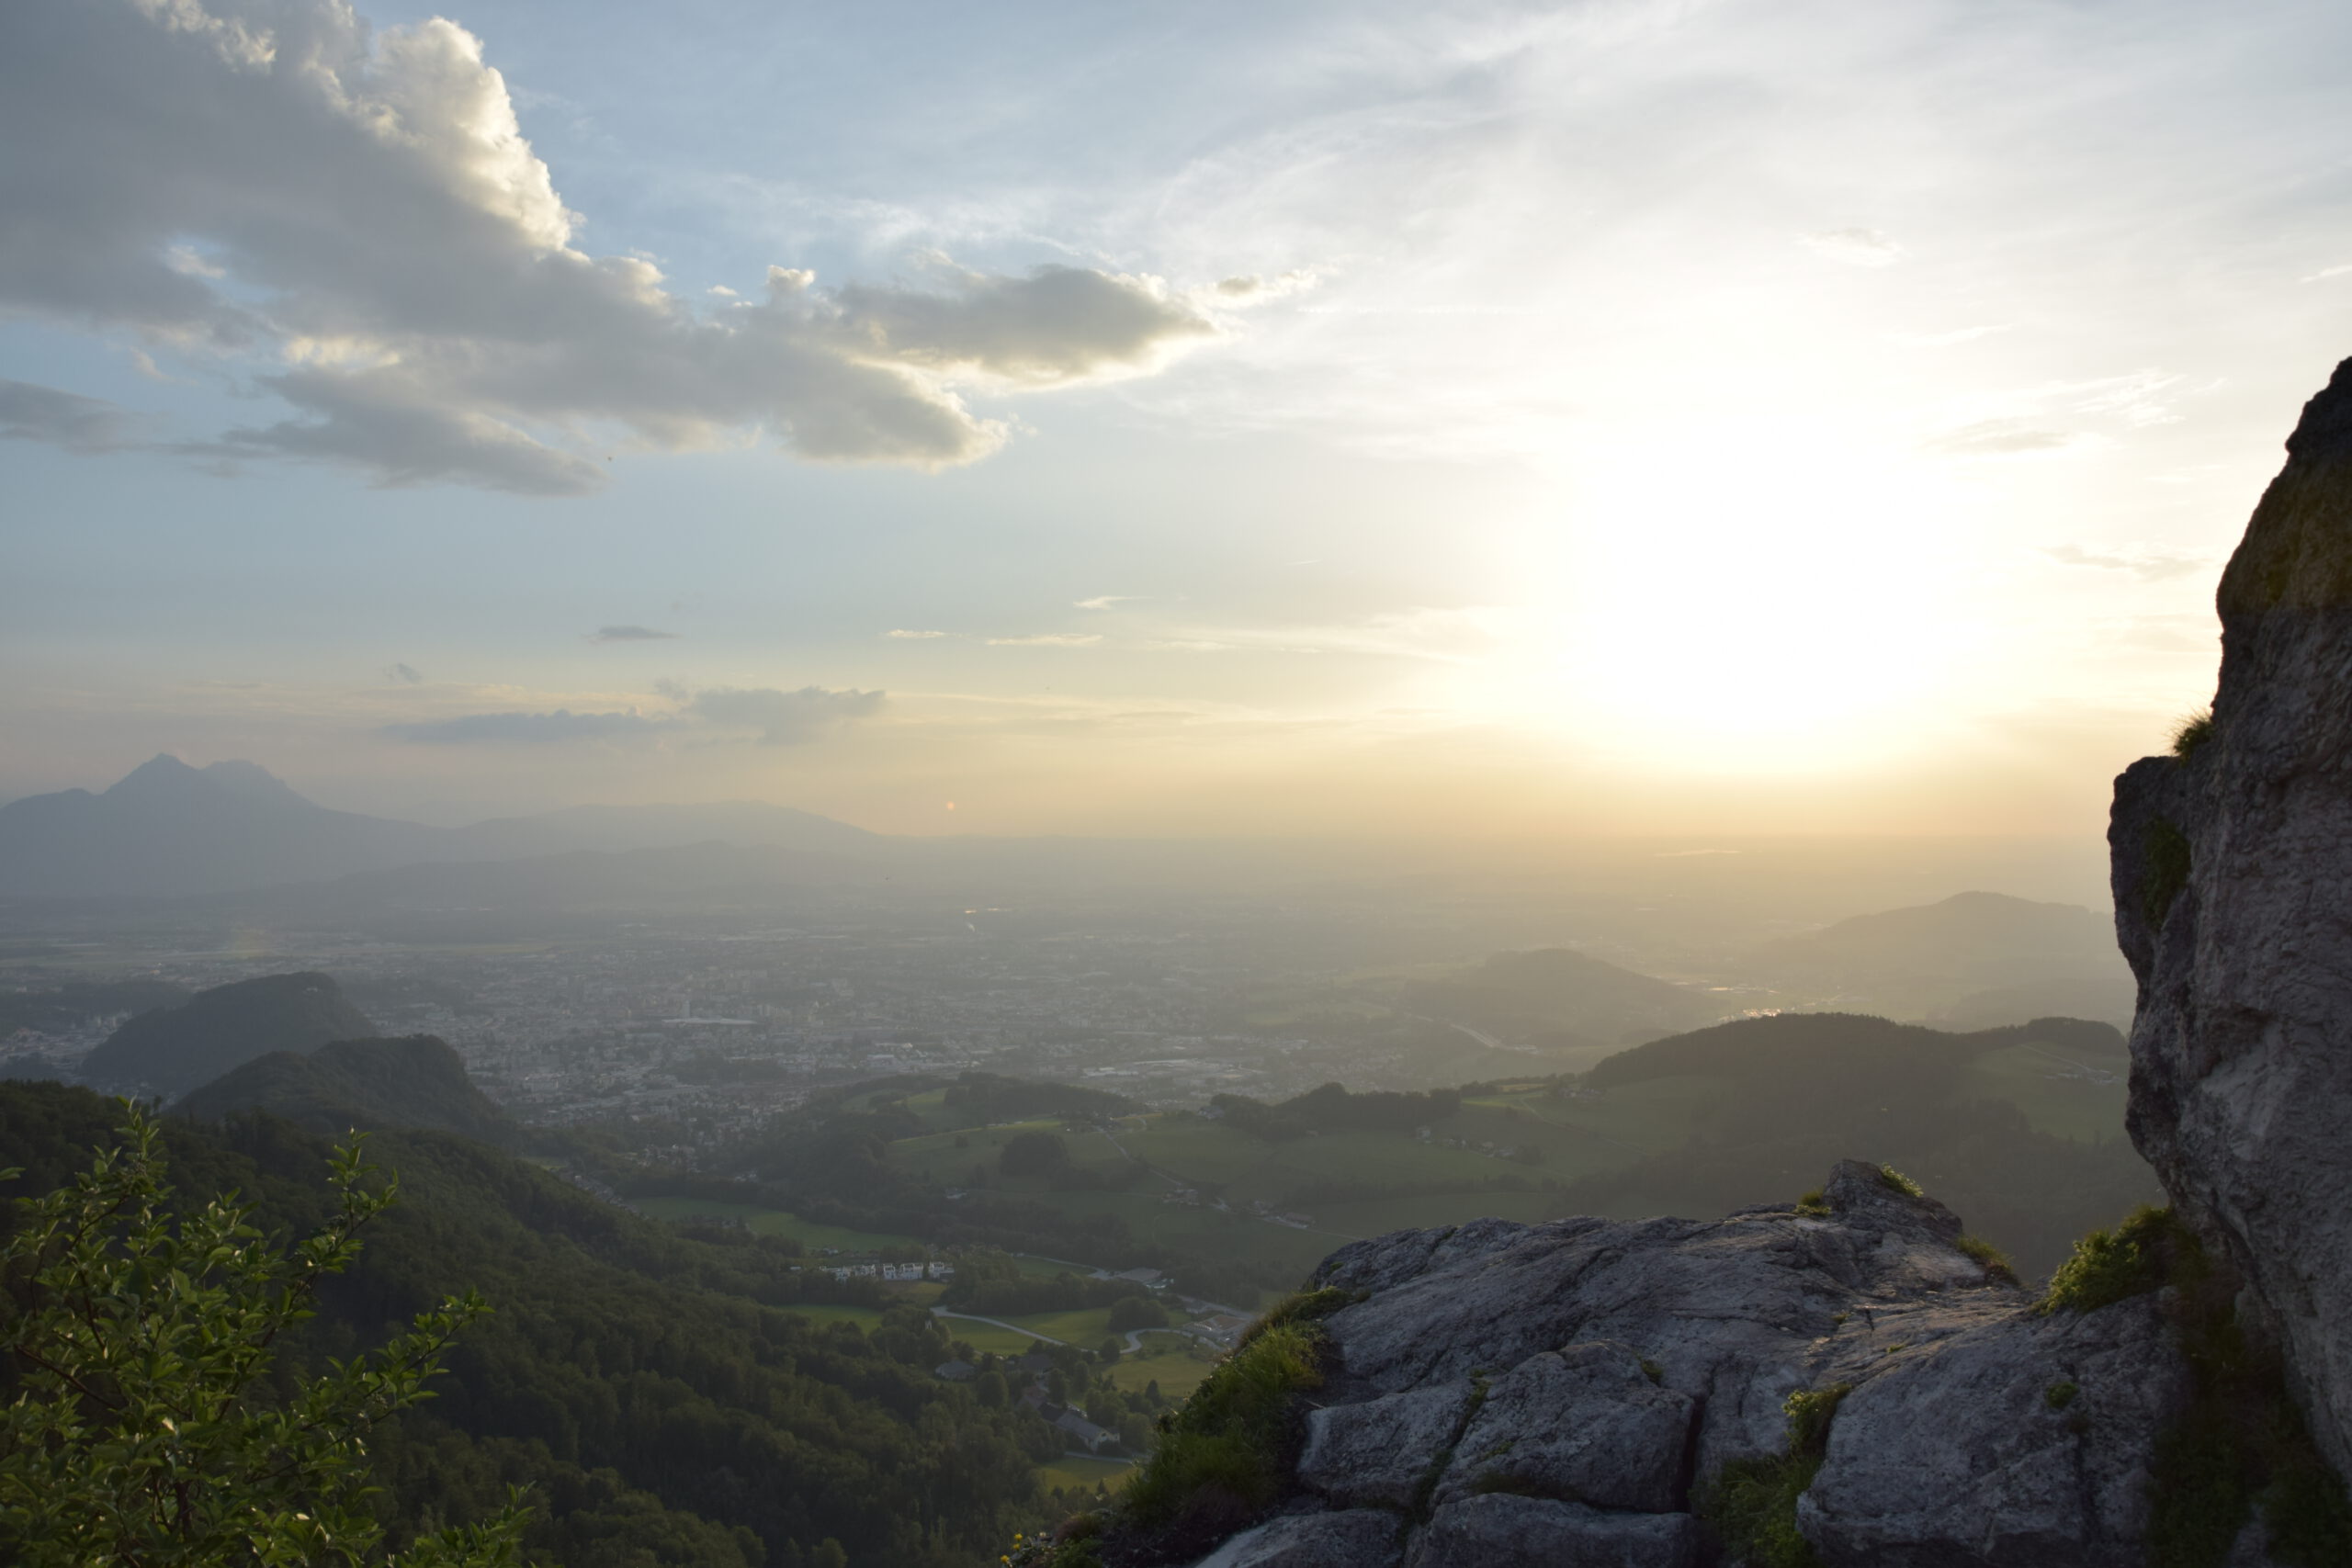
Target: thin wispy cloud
x,y
2149,563
84,426
1948,339
1048,640
1105,601
1855,247
2323,274
630,634
404,674
526,728
908,634
761,714
2004,438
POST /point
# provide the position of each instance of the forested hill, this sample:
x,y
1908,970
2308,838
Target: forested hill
x,y
646,1386
173,1049
1795,1043
415,1082
1773,1101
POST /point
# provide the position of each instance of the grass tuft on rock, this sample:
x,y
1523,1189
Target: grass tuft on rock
x,y
1991,1258
1895,1181
2192,732
1752,1504
2136,1256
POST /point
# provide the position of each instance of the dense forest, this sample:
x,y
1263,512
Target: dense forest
x,y
646,1386
1807,1089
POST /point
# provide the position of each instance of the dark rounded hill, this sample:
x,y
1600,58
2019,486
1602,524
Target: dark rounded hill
x,y
1840,1045
414,1081
173,1049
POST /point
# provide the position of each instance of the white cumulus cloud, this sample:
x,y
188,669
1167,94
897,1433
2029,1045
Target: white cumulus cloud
x,y
354,219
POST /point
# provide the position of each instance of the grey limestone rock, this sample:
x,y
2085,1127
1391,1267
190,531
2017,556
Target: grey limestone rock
x,y
2026,1443
1584,1425
1502,1530
1382,1451
1356,1538
1738,1314
2233,883
1550,1393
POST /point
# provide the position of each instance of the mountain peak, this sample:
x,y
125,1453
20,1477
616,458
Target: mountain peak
x,y
161,772
250,781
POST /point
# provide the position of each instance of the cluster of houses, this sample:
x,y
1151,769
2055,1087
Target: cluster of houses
x,y
898,1273
1083,1434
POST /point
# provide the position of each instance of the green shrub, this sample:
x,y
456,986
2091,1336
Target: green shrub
x,y
2168,854
2241,1445
2129,1260
1816,1203
1220,1457
1753,1503
2192,732
1895,1181
2059,1396
1302,1306
1991,1258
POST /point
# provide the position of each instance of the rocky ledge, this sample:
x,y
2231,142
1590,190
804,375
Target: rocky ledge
x,y
1561,1395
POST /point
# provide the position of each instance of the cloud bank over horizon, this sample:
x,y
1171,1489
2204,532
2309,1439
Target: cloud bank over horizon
x,y
350,221
765,715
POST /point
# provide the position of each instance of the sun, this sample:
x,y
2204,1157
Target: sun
x,y
1755,594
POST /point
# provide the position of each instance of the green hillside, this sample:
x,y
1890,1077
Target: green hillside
x,y
173,1049
415,1082
656,1392
2019,1128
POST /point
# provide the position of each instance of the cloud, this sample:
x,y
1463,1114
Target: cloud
x,y
1104,601
1048,640
354,217
2002,438
762,714
84,426
526,728
784,718
911,635
2327,272
404,674
2149,563
1946,340
630,634
1855,247
1252,289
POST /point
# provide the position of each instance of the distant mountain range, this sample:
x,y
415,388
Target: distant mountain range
x,y
168,830
1974,959
1556,998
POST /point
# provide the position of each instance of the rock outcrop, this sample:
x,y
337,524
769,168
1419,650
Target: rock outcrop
x,y
2233,881
1560,1394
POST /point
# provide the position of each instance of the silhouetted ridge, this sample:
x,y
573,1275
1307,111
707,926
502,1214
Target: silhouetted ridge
x,y
416,1081
1805,1042
214,1031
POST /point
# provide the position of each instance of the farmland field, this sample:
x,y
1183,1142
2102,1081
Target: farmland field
x,y
1075,1472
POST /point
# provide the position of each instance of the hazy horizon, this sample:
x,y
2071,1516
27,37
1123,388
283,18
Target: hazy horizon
x,y
1537,421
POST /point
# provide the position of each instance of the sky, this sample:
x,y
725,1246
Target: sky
x,y
1654,416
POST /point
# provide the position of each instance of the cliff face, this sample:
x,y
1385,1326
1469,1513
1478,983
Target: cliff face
x,y
2233,880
